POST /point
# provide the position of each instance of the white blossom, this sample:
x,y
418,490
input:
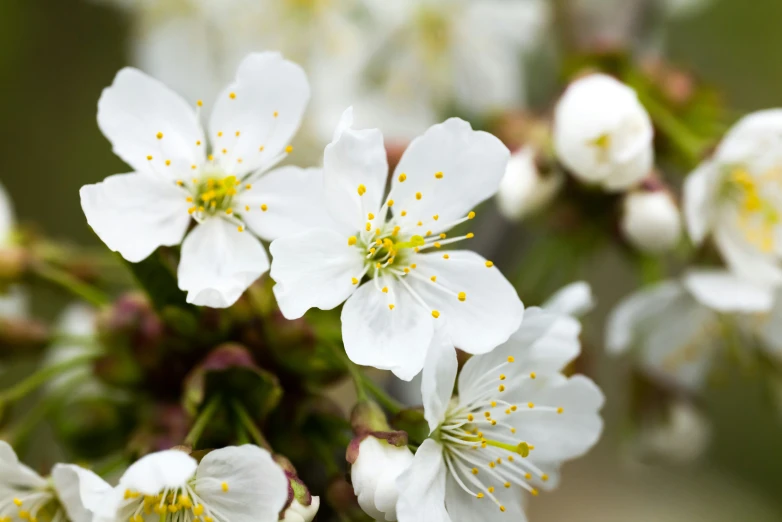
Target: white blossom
x,y
515,421
677,327
221,178
682,436
394,242
603,134
297,512
524,190
736,198
651,221
25,495
14,301
374,474
232,484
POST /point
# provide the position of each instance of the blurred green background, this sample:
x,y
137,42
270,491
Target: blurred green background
x,y
57,55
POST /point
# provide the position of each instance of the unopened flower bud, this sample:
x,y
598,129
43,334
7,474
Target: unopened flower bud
x,y
524,189
302,506
375,469
603,134
651,221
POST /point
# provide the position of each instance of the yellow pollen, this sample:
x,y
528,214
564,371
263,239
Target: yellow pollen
x,y
470,417
404,213
420,224
362,190
530,405
493,404
390,203
396,230
511,359
168,163
489,264
446,256
428,233
560,410
474,471
18,502
413,266
208,519
225,151
24,514
372,251
438,175
493,422
443,235
247,208
219,134
418,195
534,492
435,314
407,270
514,408
248,186
510,458
370,216
240,228
237,133
470,235
189,199
198,510
352,240
224,486
492,465
507,485
502,508
402,177
159,135
462,296
544,477
200,103
211,157
479,495
276,114
229,211
436,217
264,207
433,279
513,430
491,489
149,158
501,388
198,143
390,307
368,227
528,476
173,508
289,149
502,376
232,95
385,289
260,149
193,167
378,265
377,233
437,245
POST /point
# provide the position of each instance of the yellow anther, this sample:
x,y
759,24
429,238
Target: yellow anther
x,y
198,143
354,280
438,175
208,519
435,314
528,476
492,465
436,217
378,265
276,114
168,163
514,408
413,266
419,224
390,307
368,227
507,485
402,177
406,270
247,208
502,376
544,477
211,157
289,149
470,417
379,242
352,240
19,502
501,388
232,95
511,359
198,510
474,471
225,151
385,289
530,405
428,233
229,211
24,515
533,375
370,216
462,296
418,195
507,412
404,213
264,207
260,149
470,235
513,430
510,458
437,245
534,492
372,251
240,228
159,135
362,190
224,487
219,134
237,133
248,186
491,489
560,410
443,235
493,404
173,508
390,203
200,103
493,422
193,167
487,414
479,495
446,256
502,508
396,230
149,158
489,264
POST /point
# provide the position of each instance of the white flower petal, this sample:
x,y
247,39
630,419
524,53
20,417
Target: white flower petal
x,y
698,201
374,476
297,512
575,299
545,343
15,473
491,310
134,214
135,110
294,202
558,437
438,379
264,106
218,263
422,487
744,258
257,488
156,472
78,489
472,164
6,216
314,269
466,508
632,311
724,292
354,164
389,339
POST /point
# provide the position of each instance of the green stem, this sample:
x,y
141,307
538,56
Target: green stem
x,y
688,143
359,379
72,284
389,403
203,419
249,425
40,378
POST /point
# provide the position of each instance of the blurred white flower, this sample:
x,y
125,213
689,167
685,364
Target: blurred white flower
x,y
389,321
427,56
736,198
26,495
374,473
575,300
14,302
603,134
233,188
678,326
685,8
228,484
682,436
297,512
651,221
524,190
515,421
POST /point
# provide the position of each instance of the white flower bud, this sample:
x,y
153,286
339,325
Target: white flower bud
x,y
523,189
297,512
602,133
374,475
651,221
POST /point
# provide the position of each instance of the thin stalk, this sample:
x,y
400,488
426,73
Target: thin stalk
x,y
72,284
249,425
386,401
201,422
359,379
41,377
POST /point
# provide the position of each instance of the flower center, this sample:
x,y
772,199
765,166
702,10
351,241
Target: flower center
x,y
482,451
758,215
31,506
180,504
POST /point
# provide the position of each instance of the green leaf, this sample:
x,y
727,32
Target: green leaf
x,y
156,276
